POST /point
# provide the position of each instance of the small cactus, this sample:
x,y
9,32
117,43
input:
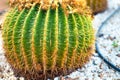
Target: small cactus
x,y
44,39
97,5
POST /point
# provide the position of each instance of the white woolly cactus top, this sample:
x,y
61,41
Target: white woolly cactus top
x,y
70,6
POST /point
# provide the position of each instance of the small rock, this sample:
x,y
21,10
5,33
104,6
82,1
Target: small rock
x,y
1,76
118,55
96,61
21,78
100,75
100,66
93,71
100,35
8,71
12,78
118,65
105,36
0,70
111,38
86,78
95,55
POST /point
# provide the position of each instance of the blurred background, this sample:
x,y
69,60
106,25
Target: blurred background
x,y
3,8
3,5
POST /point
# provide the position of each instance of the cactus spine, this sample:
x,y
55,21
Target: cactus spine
x,y
97,5
43,43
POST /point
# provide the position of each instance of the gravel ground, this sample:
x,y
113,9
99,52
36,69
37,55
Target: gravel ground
x,y
95,69
109,39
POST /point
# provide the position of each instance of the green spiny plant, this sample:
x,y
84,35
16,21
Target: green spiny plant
x,y
47,38
97,5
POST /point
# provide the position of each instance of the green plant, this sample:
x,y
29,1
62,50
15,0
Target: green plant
x,y
115,44
97,5
47,40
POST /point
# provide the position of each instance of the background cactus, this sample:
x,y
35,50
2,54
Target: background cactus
x,y
47,40
97,5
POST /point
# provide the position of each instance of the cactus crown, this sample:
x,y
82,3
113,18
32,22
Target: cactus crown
x,y
69,6
97,5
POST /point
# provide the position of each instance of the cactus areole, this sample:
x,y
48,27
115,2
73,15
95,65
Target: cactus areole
x,y
47,38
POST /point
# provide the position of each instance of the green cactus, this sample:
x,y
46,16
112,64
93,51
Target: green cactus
x,y
97,5
43,43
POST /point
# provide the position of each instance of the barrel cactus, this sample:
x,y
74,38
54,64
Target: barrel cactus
x,y
97,5
47,38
